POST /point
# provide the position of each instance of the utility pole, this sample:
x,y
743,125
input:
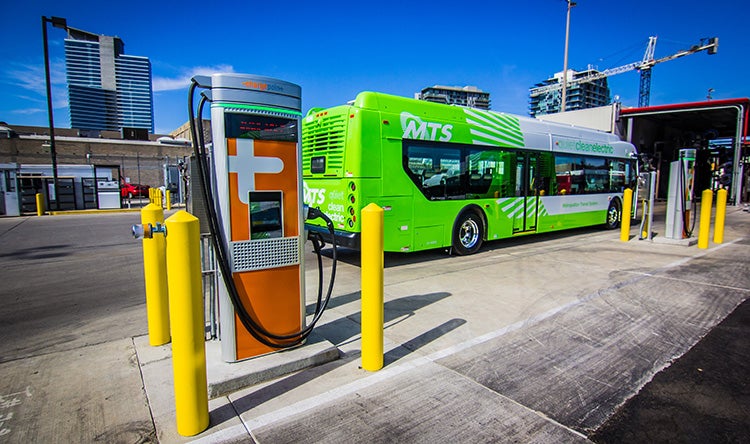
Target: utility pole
x,y
57,22
565,61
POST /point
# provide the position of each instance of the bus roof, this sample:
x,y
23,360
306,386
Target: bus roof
x,y
424,120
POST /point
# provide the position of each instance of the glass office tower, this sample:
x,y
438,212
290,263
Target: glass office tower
x,y
107,90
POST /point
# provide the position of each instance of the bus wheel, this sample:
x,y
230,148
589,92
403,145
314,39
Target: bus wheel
x,y
614,213
468,233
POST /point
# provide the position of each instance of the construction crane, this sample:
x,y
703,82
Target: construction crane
x,y
644,66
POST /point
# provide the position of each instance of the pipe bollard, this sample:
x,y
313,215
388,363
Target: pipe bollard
x,y
168,200
707,198
155,196
721,212
155,278
627,204
372,287
186,315
39,204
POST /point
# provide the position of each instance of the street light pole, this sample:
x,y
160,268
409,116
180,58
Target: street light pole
x,y
565,61
57,22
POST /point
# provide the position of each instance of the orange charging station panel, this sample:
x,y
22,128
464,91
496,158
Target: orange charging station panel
x,y
256,155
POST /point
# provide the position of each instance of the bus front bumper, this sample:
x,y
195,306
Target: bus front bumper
x,y
343,238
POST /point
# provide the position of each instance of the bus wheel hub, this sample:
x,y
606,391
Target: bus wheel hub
x,y
469,233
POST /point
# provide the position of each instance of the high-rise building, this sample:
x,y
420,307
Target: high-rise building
x,y
470,96
580,95
107,89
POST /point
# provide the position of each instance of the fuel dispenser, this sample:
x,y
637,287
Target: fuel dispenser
x,y
680,196
253,196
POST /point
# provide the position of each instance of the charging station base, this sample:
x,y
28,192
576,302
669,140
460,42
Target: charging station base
x,y
225,378
688,242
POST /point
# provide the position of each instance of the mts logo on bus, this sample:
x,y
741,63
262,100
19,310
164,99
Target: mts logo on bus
x,y
314,196
416,128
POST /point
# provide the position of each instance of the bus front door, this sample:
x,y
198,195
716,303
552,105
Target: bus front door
x,y
525,212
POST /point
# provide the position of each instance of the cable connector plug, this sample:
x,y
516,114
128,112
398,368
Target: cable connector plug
x,y
313,213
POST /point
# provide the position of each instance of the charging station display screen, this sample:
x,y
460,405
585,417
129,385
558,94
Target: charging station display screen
x,y
259,127
265,214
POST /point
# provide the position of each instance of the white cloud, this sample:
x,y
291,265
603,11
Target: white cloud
x,y
28,111
182,81
30,77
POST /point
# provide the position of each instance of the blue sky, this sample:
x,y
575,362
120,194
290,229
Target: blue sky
x,y
336,49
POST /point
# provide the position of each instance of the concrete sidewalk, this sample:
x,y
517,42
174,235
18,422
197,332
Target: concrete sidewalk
x,y
538,339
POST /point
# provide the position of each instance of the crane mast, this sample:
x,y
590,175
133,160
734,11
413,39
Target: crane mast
x,y
644,66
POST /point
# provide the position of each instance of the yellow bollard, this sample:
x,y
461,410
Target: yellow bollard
x,y
721,212
39,204
627,204
186,316
155,278
707,198
372,287
167,200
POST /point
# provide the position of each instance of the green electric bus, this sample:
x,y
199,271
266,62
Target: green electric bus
x,y
451,176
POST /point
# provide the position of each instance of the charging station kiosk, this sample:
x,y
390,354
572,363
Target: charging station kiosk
x,y
680,195
255,124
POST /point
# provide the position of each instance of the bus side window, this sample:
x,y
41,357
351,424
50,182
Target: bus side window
x,y
475,182
597,174
570,175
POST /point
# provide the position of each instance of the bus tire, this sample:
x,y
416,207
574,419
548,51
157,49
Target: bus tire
x,y
614,215
468,233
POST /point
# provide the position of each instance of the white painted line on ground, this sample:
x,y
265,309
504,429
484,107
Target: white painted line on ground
x,y
683,261
227,434
702,253
688,281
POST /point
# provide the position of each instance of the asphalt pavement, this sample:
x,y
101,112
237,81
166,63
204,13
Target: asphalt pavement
x,y
560,337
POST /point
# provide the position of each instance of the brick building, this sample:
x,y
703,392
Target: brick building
x,y
155,162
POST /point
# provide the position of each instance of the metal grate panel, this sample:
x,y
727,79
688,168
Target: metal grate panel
x,y
324,136
265,253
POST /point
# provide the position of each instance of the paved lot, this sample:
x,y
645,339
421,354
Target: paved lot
x,y
703,397
540,339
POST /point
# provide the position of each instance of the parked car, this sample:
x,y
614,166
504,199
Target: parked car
x,y
133,190
141,190
127,189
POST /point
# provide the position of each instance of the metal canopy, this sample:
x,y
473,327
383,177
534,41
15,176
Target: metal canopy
x,y
675,125
718,115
